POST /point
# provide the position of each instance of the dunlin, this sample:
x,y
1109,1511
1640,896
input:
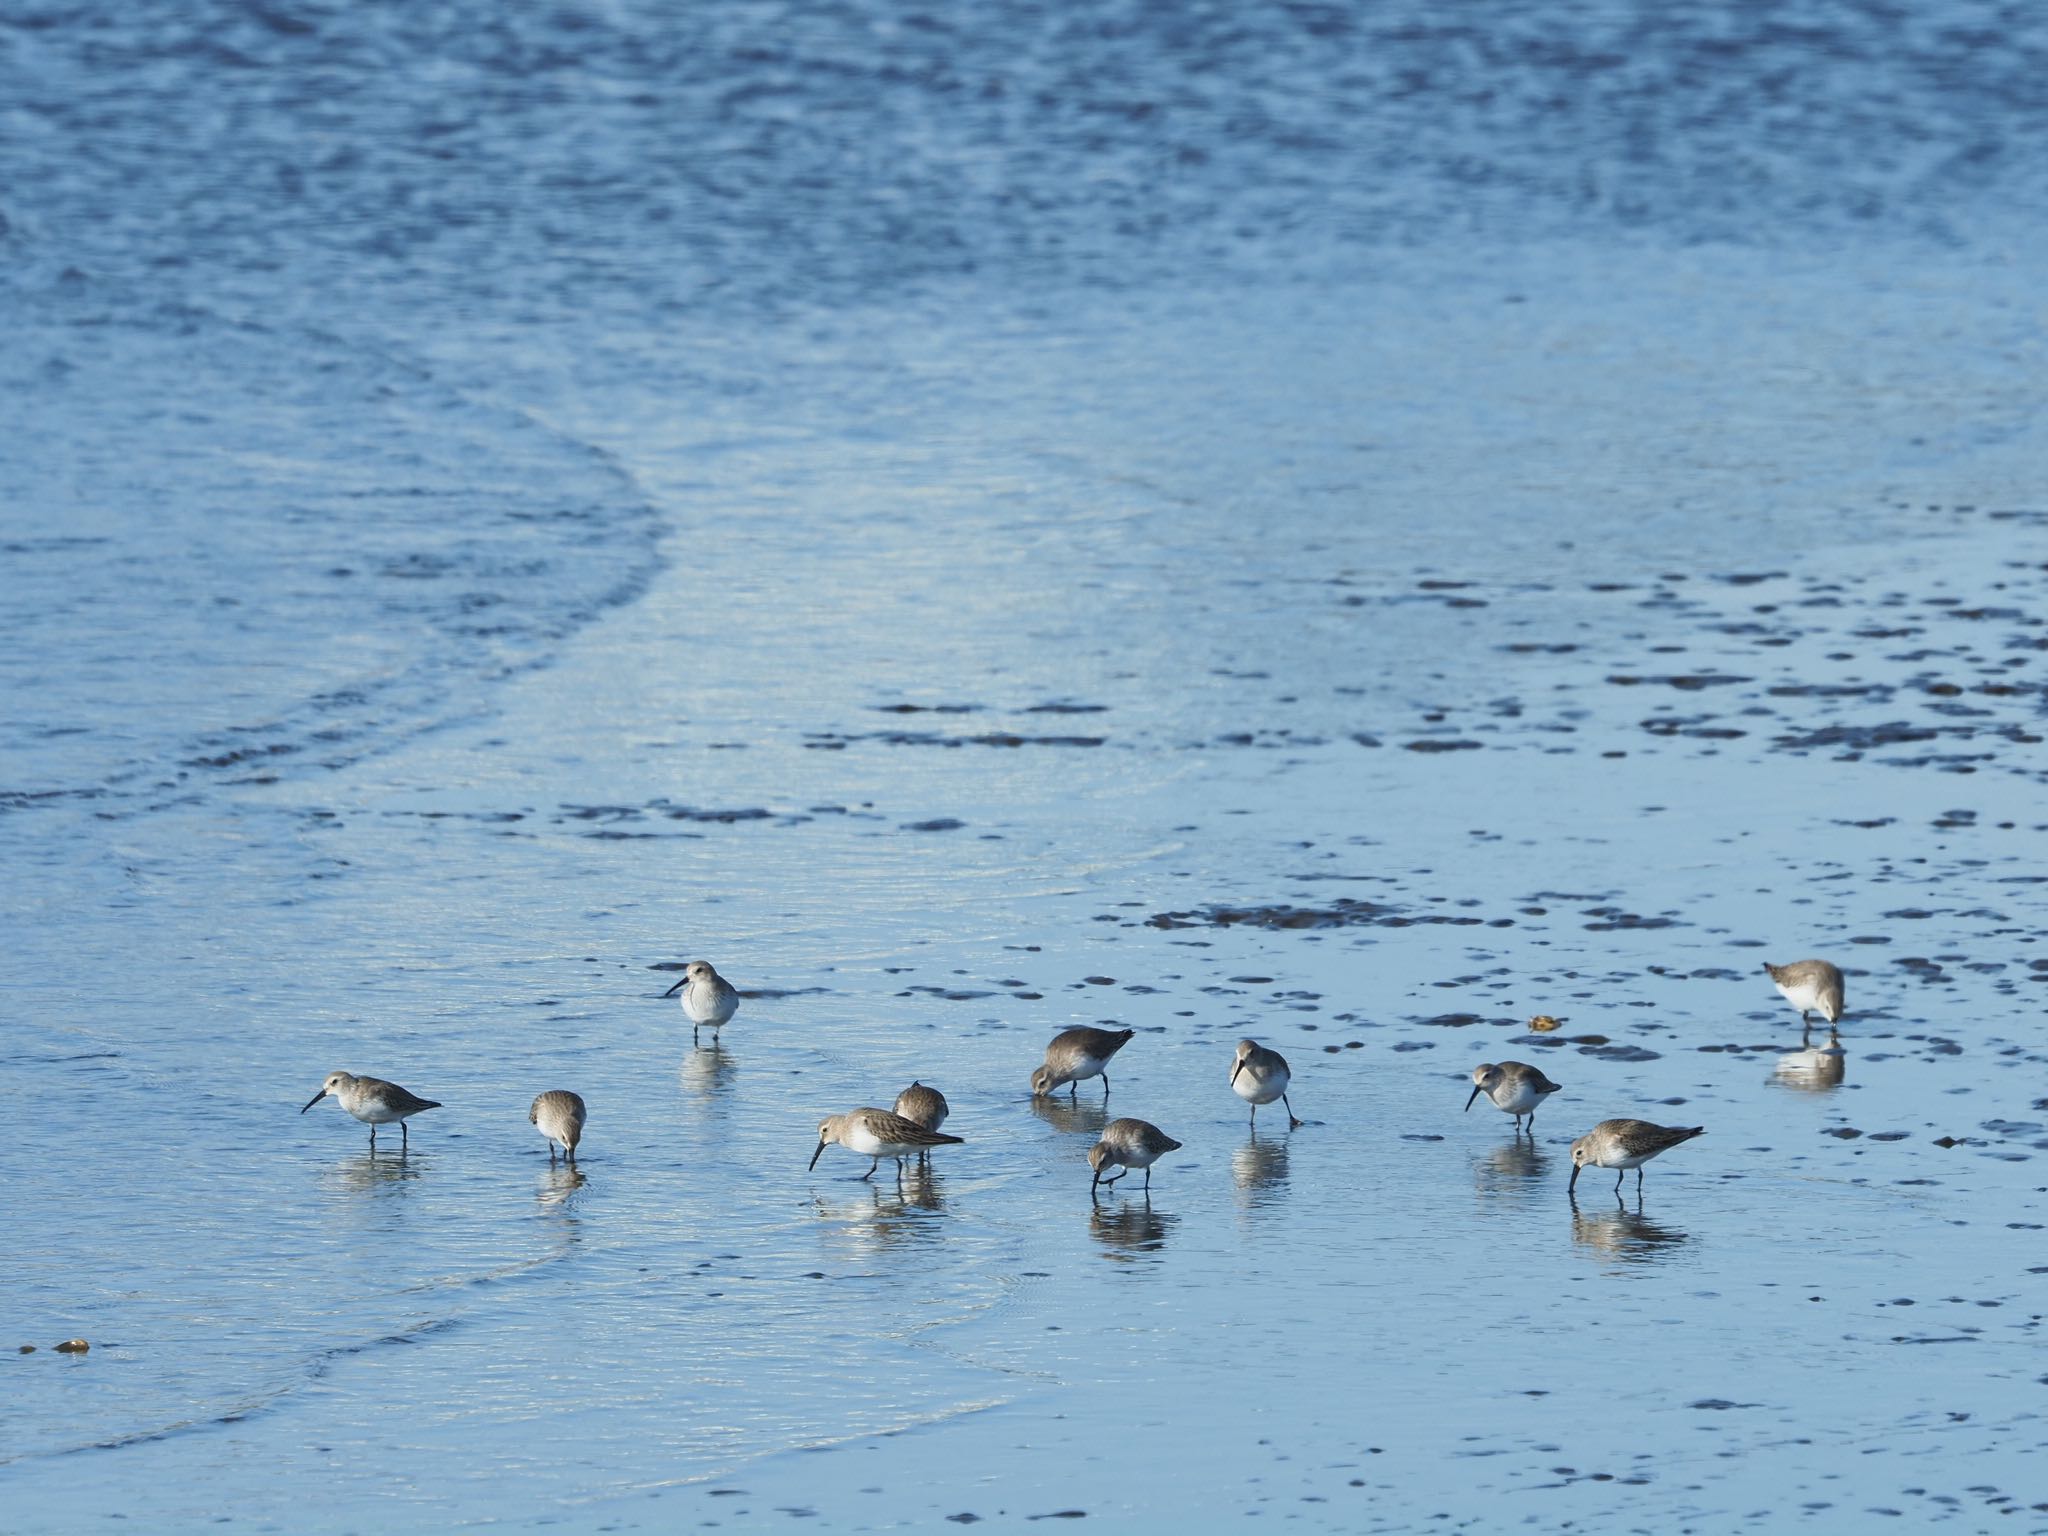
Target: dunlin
x,y
560,1115
1626,1144
709,1000
372,1101
1260,1076
1128,1144
1077,1053
1811,986
877,1133
1514,1087
924,1106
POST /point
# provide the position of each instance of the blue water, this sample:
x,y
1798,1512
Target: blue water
x,y
1351,528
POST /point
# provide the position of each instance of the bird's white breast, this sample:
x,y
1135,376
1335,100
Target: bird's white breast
x,y
1801,994
864,1141
704,1004
372,1111
1257,1090
1617,1157
1517,1097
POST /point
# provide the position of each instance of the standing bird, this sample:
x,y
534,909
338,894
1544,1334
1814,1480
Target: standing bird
x,y
1260,1076
923,1106
1515,1088
878,1133
1810,985
1626,1144
560,1115
1129,1144
1077,1053
372,1101
708,998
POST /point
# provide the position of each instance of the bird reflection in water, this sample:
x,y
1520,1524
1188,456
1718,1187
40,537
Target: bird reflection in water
x,y
558,1184
1260,1170
706,1071
1624,1234
378,1172
1063,1114
921,1187
1815,1069
883,1217
1128,1228
1510,1168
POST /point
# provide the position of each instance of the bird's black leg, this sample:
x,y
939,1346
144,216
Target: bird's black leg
x,y
1148,1179
1074,1090
1639,1183
871,1170
1292,1122
404,1142
1255,1117
1618,1177
1105,1087
373,1138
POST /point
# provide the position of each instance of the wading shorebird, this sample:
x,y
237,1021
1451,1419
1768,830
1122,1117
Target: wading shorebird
x,y
923,1106
1076,1053
1260,1076
1513,1087
1811,986
708,999
1128,1144
878,1133
372,1101
1626,1144
560,1115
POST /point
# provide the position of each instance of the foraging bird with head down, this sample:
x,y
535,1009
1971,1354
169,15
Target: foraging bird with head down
x,y
1075,1054
1128,1144
878,1133
1626,1144
559,1115
926,1106
1811,986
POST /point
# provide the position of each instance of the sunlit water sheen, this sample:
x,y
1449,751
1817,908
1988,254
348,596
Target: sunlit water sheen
x,y
1213,522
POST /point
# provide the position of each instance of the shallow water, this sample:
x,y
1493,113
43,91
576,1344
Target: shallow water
x,y
1509,523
